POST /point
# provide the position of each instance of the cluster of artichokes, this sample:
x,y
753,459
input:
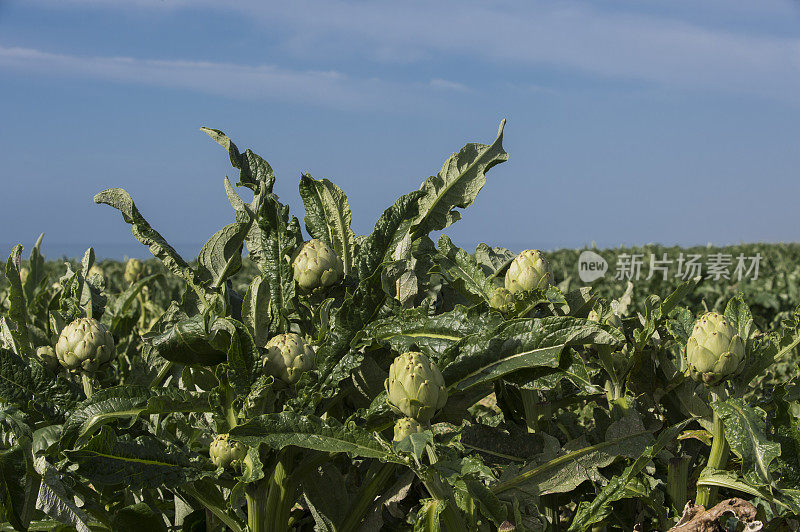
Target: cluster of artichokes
x,y
316,265
715,352
415,389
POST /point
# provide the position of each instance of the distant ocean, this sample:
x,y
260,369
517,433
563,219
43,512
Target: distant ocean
x,y
116,251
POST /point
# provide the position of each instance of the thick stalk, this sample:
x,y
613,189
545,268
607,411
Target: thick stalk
x,y
281,492
211,507
162,374
256,497
677,480
530,404
450,516
550,503
230,412
86,380
366,497
717,459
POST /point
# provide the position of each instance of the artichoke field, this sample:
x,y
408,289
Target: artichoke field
x,y
330,381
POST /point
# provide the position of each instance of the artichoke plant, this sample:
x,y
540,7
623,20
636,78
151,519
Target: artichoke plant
x,y
85,345
134,270
529,270
225,452
405,427
288,356
316,265
715,351
415,386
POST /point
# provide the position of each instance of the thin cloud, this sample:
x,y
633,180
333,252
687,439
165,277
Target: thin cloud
x,y
325,88
618,43
444,84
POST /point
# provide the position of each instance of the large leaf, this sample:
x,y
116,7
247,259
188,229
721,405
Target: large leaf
x,y
255,173
595,511
221,256
124,404
414,328
141,462
33,389
457,184
745,432
518,345
390,229
17,317
463,272
12,485
272,241
277,431
144,233
574,465
56,500
328,217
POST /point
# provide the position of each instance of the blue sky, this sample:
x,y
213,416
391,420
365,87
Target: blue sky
x,y
629,122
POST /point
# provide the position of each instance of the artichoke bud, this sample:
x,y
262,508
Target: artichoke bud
x,y
225,452
528,271
316,265
85,345
405,427
415,386
134,270
288,357
502,299
47,356
715,352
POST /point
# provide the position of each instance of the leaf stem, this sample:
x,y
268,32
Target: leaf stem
x,y
256,496
86,380
366,497
281,492
162,374
717,459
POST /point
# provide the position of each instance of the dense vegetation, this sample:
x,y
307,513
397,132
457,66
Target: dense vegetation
x,y
338,382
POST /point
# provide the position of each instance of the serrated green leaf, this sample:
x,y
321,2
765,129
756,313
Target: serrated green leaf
x,y
328,217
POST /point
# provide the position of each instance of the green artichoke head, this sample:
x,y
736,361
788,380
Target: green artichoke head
x,y
715,351
529,270
415,386
502,299
134,270
226,452
405,427
47,356
288,357
316,265
85,345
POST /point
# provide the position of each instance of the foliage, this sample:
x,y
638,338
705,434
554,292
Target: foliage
x,y
235,399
